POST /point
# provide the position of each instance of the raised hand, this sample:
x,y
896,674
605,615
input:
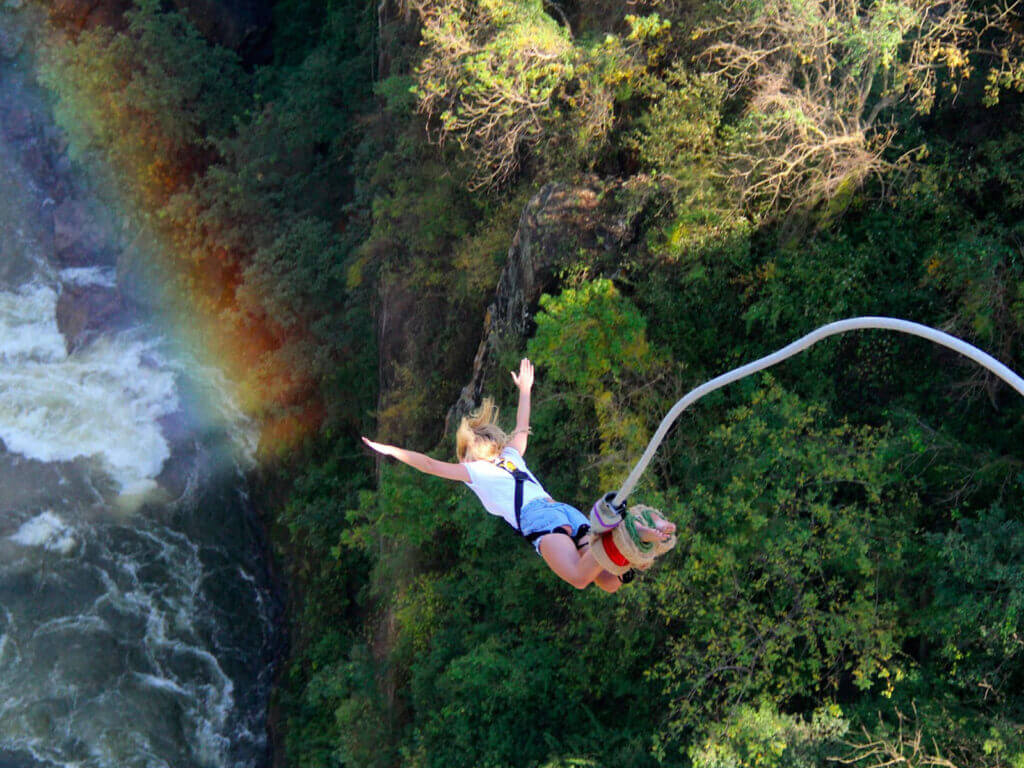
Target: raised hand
x,y
387,450
524,380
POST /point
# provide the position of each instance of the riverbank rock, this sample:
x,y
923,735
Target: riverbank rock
x,y
80,235
84,311
597,218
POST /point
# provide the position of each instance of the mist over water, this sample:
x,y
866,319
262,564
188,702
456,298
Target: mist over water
x,y
136,619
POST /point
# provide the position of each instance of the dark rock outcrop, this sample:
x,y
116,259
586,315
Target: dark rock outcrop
x,y
84,311
559,222
81,236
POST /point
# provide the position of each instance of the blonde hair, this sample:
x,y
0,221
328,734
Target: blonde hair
x,y
479,437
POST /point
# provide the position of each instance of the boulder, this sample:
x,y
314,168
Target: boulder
x,y
84,311
80,235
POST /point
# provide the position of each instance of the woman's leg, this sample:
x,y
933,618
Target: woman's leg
x,y
561,555
609,582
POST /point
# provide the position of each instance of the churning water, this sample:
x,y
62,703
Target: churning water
x,y
136,621
102,402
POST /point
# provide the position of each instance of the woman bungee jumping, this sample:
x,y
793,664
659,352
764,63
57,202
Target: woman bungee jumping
x,y
491,463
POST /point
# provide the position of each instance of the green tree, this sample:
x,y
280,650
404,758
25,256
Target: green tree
x,y
151,100
795,534
490,74
592,343
506,81
821,80
763,737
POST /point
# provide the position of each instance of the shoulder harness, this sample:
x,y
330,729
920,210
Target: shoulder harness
x,y
520,477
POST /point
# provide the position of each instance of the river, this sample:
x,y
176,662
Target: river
x,y
137,620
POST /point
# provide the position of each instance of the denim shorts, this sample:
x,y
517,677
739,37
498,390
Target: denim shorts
x,y
544,515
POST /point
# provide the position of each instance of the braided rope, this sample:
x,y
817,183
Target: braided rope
x,y
626,542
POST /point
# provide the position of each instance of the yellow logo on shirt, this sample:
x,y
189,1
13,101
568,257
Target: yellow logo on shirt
x,y
507,465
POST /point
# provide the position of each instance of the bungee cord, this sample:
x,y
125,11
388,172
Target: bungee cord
x,y
840,326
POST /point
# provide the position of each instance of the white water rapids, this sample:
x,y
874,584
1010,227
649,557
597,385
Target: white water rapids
x,y
102,403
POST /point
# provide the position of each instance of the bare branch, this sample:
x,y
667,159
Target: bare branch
x,y
819,76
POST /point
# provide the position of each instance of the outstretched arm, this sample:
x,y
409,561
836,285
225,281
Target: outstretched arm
x,y
524,382
422,462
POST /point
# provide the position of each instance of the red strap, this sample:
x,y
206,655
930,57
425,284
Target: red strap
x,y
613,551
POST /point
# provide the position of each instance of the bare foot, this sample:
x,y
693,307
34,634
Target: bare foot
x,y
662,530
664,526
652,534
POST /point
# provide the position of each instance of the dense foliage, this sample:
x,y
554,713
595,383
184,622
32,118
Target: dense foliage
x,y
849,583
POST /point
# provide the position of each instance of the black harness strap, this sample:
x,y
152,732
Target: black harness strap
x,y
577,539
520,477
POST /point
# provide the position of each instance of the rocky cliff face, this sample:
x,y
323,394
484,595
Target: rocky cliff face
x,y
561,223
589,223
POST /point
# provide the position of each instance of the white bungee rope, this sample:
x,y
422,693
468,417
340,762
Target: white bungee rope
x,y
841,326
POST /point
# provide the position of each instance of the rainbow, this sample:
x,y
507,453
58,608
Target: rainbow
x,y
194,285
